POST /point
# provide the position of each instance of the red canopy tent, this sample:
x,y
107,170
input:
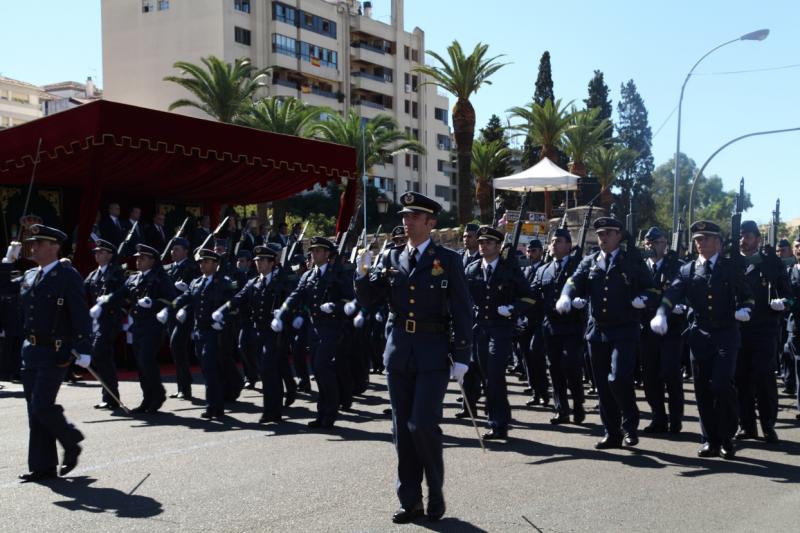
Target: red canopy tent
x,y
106,147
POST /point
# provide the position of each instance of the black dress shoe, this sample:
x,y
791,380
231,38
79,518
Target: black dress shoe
x,y
464,413
103,405
387,411
268,419
532,401
435,510
591,391
561,418
608,442
249,385
744,434
495,434
527,390
291,396
655,428
176,395
675,428
304,386
578,415
208,415
544,400
41,475
320,424
459,399
70,460
708,450
631,439
404,516
727,450
139,410
770,436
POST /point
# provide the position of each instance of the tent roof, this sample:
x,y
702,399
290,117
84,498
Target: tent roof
x,y
124,149
543,176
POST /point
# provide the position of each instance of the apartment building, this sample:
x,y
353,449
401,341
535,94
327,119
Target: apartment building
x,y
325,52
20,102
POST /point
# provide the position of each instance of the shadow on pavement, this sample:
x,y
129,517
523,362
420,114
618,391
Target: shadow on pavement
x,y
83,497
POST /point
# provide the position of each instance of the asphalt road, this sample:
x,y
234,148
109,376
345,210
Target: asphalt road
x,y
177,472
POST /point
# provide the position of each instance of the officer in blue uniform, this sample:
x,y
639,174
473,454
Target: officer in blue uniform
x,y
617,285
56,326
661,355
562,333
756,363
181,272
429,301
11,327
793,325
240,323
323,290
499,294
145,294
260,298
714,287
470,252
107,278
531,338
205,295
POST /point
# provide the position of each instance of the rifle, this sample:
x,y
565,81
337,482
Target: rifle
x,y
180,233
772,239
342,242
288,252
30,188
214,233
679,236
511,243
361,242
354,252
576,255
736,223
123,246
384,246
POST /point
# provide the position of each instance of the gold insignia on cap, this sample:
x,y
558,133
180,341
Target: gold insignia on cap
x,y
35,230
701,225
408,198
484,230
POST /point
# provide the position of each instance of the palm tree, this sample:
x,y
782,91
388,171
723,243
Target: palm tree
x,y
223,91
605,164
487,159
286,115
375,140
462,76
585,133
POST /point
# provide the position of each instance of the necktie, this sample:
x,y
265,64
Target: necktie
x,y
161,231
39,276
116,223
558,267
412,258
206,281
488,273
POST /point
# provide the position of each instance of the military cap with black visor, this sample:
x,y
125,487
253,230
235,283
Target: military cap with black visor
x,y
414,202
488,233
40,232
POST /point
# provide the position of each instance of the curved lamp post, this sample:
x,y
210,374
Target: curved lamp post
x,y
718,150
758,35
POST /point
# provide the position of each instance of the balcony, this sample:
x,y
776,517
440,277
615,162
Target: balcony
x,y
370,54
369,109
372,83
319,71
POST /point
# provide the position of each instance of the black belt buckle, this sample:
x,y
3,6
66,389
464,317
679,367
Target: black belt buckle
x,y
411,326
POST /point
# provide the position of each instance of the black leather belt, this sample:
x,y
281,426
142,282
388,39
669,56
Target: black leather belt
x,y
411,325
38,340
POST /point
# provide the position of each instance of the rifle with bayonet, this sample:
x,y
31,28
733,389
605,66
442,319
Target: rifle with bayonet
x,y
124,246
512,240
216,233
180,233
736,224
289,251
772,238
354,251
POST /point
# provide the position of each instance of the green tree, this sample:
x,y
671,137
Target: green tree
x,y
606,164
487,158
585,133
543,91
286,115
494,131
545,124
462,76
223,91
634,133
598,98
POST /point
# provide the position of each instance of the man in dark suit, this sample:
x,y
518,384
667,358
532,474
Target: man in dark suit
x,y
155,235
281,236
135,216
470,252
200,233
112,229
425,287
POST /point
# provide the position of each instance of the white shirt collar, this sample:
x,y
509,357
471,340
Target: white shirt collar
x,y
145,272
321,270
47,268
713,260
208,278
609,256
421,248
493,264
654,263
103,268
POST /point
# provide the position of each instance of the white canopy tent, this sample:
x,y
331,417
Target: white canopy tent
x,y
544,176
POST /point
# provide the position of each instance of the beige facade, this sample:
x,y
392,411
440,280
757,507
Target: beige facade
x,y
326,53
20,102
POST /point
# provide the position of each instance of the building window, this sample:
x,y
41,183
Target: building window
x,y
415,55
415,163
242,5
415,186
443,142
414,83
408,161
163,5
241,35
415,133
440,114
284,13
443,191
20,98
407,106
414,109
148,6
284,45
406,52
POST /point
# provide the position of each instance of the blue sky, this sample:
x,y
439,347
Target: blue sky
x,y
653,42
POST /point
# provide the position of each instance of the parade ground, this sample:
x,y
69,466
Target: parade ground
x,y
174,471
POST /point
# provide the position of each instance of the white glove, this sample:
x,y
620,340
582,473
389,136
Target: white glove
x,y
505,310
181,315
276,325
520,322
181,285
83,360
363,263
359,320
217,316
578,303
638,303
457,372
659,324
564,304
96,311
327,307
379,317
145,302
163,315
217,326
742,315
103,299
679,309
777,304
12,252
297,323
350,308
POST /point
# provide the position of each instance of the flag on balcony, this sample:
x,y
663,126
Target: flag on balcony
x,y
315,61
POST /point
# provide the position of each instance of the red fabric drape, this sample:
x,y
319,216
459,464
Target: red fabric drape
x,y
347,206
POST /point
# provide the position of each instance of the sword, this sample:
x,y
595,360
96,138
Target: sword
x,y
469,410
103,383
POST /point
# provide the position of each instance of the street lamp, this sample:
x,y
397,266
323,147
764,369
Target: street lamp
x,y
758,35
382,204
